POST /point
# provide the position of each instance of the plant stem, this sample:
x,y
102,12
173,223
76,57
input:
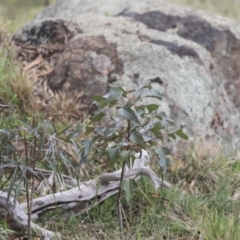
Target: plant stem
x,y
120,189
119,201
32,179
27,191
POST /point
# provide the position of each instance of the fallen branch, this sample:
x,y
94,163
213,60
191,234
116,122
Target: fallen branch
x,y
86,195
21,218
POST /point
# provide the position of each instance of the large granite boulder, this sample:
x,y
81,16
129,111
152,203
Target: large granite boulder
x,y
220,36
191,57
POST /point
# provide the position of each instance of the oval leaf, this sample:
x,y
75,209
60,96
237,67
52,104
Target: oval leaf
x,y
126,155
155,94
181,134
128,113
98,117
136,137
98,98
128,185
113,153
152,107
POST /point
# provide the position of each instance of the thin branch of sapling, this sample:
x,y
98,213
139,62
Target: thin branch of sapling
x,y
27,191
121,179
32,176
125,218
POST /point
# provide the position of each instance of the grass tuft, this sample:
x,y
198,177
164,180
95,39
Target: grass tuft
x,y
16,89
203,210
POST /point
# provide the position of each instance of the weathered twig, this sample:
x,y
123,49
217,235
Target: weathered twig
x,y
108,177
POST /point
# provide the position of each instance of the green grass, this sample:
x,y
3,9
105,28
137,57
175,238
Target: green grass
x,y
189,208
8,74
16,89
4,232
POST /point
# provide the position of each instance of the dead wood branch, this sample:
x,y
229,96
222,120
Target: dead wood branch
x,y
21,217
87,194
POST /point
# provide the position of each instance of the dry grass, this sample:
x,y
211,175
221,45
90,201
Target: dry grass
x,y
24,86
16,88
200,204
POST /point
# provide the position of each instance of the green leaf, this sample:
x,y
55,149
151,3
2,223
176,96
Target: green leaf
x,y
165,151
97,117
63,131
83,158
122,90
161,153
146,121
129,104
98,98
87,143
112,103
168,162
172,135
162,163
89,130
6,165
156,129
152,107
156,94
129,185
13,180
165,119
181,134
113,153
103,103
136,137
97,137
113,97
23,170
99,129
117,90
110,130
147,137
72,134
140,112
114,94
126,155
128,113
87,146
140,93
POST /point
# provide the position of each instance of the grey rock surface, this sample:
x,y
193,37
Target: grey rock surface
x,y
220,36
186,54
